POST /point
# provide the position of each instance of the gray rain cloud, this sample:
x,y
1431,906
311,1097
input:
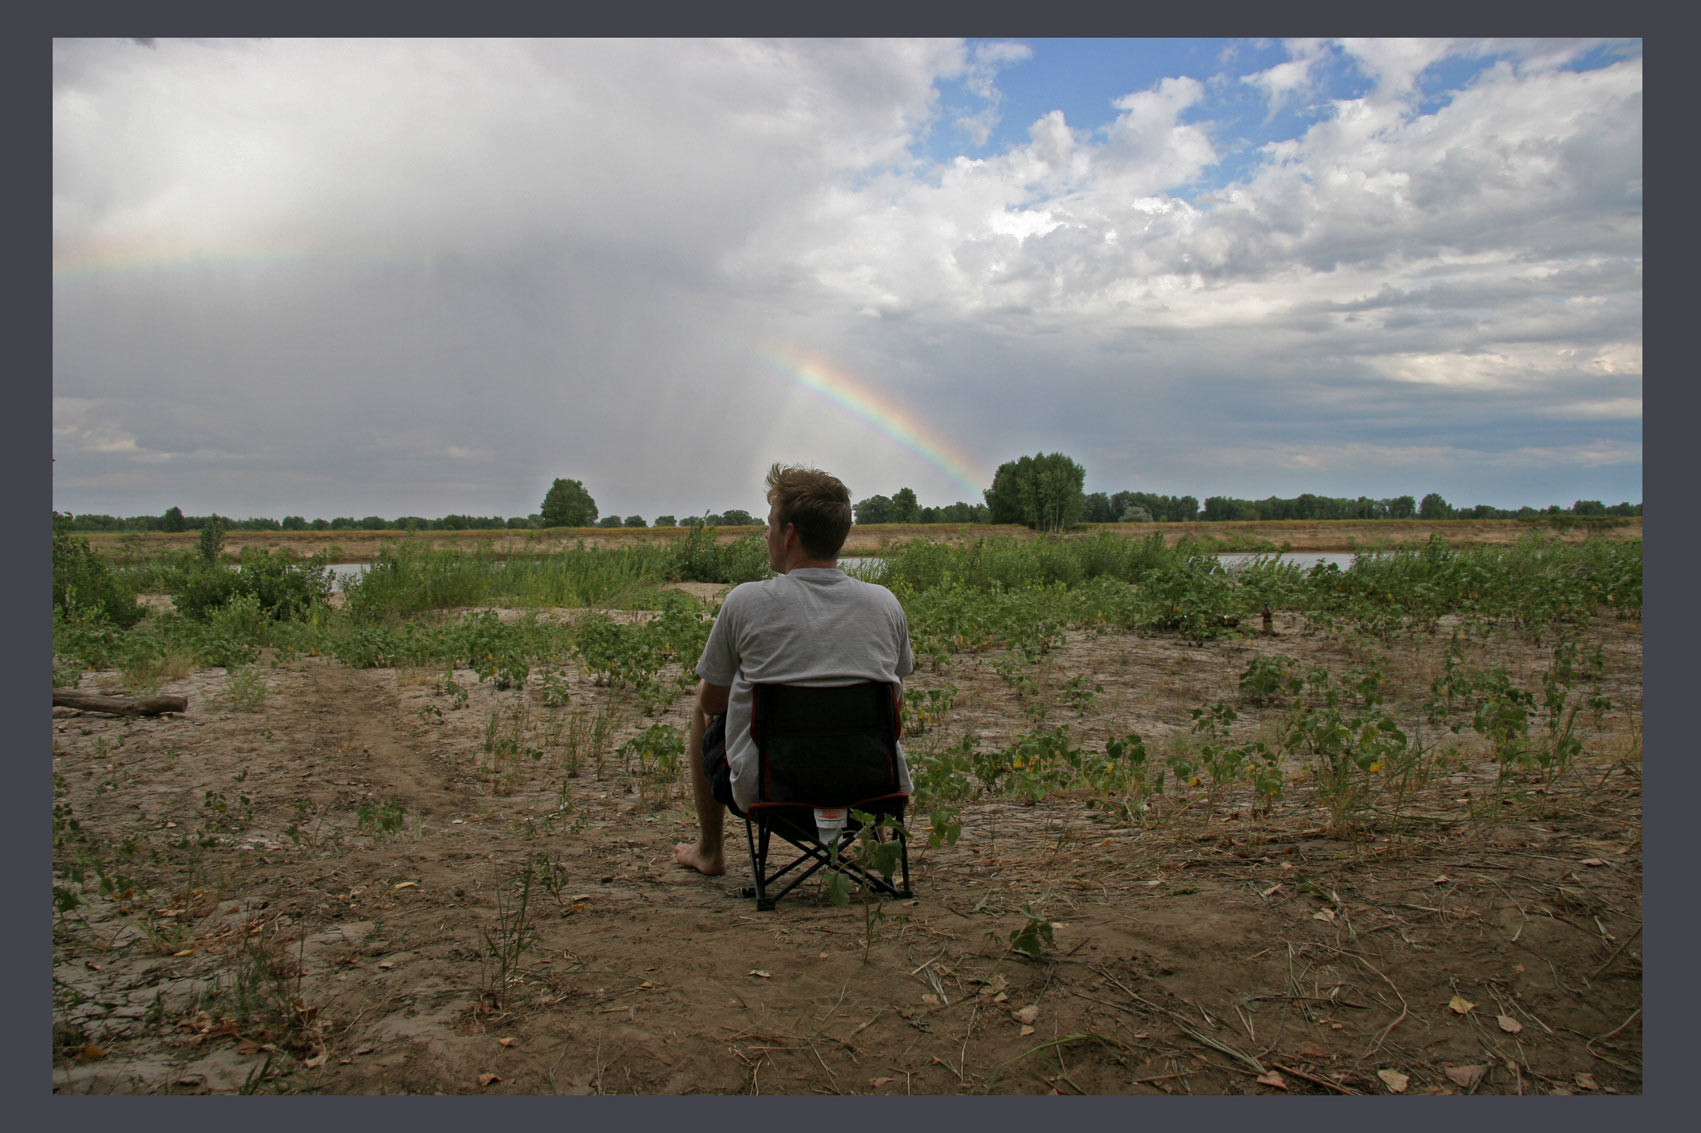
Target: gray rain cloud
x,y
425,277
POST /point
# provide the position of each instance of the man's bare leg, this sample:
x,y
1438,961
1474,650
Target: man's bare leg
x,y
705,855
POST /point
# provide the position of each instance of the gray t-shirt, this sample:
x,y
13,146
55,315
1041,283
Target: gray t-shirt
x,y
812,626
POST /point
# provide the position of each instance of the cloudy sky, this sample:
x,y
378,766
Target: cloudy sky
x,y
390,278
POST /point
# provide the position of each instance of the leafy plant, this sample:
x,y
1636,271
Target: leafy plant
x,y
944,826
1081,692
1041,761
877,850
1271,679
494,650
1222,760
660,752
1034,936
924,708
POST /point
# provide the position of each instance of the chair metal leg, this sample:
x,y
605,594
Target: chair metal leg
x,y
815,856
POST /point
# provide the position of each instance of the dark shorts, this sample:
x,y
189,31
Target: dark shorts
x,y
715,765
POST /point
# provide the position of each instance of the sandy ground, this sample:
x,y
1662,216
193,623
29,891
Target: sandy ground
x,y
261,936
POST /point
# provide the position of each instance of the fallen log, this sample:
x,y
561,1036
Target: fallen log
x,y
119,705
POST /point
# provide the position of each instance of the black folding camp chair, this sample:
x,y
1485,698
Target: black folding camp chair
x,y
828,748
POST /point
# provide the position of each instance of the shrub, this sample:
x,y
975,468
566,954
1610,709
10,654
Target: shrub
x,y
698,558
85,587
282,588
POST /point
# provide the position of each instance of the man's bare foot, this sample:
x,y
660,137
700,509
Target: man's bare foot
x,y
692,856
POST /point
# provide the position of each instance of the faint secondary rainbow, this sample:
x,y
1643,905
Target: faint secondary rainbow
x,y
884,413
129,257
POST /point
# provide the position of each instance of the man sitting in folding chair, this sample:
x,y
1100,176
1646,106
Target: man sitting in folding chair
x,y
811,626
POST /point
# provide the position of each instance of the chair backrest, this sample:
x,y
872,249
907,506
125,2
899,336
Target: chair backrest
x,y
826,746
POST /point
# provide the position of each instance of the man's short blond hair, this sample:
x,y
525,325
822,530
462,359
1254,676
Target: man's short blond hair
x,y
816,503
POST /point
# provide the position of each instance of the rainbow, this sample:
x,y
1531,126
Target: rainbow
x,y
884,413
135,256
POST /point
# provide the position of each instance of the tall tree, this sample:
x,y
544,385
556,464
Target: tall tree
x,y
1043,491
905,509
875,509
567,504
1434,507
1004,498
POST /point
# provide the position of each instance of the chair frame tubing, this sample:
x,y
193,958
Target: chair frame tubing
x,y
758,834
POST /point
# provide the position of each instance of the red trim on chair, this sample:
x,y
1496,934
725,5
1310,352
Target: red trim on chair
x,y
755,806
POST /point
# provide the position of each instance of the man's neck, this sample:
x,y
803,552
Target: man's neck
x,y
803,564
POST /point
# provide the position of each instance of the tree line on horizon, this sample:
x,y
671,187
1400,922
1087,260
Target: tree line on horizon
x,y
1044,491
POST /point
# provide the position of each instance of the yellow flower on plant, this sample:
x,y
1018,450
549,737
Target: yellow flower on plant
x,y
1375,767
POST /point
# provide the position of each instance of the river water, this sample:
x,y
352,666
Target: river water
x,y
346,573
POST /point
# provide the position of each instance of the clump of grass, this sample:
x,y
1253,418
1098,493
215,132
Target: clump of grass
x,y
379,817
411,577
261,991
144,672
508,939
246,688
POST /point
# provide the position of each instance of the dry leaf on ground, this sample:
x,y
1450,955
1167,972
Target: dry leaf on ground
x,y
1394,1080
1461,1005
1466,1077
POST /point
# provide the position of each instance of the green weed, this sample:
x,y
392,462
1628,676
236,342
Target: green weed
x,y
382,818
245,689
510,937
1034,936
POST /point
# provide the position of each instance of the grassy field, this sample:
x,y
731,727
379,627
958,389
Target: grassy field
x,y
1288,535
